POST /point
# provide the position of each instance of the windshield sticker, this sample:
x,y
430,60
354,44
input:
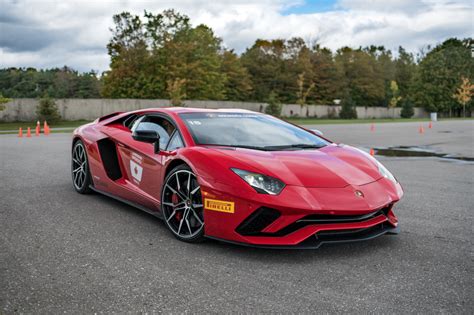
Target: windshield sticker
x,y
212,115
194,122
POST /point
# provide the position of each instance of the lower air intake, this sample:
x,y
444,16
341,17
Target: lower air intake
x,y
257,221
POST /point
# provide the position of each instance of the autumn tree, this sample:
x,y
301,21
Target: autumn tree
x,y
464,93
303,89
176,92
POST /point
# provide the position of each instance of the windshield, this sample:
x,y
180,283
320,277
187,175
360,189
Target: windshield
x,y
254,131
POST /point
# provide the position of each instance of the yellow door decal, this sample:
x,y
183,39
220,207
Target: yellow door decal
x,y
219,205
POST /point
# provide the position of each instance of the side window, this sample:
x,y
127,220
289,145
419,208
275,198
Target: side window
x,y
135,122
130,120
162,127
175,142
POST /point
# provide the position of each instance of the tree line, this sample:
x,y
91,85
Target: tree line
x,y
164,56
56,83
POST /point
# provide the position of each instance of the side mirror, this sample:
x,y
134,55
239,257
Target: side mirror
x,y
148,136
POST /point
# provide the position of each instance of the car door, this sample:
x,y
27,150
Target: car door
x,y
142,165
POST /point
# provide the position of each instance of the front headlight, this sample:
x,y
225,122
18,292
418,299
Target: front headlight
x,y
382,169
261,183
386,173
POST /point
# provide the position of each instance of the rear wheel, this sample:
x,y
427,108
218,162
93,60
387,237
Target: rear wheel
x,y
181,204
81,178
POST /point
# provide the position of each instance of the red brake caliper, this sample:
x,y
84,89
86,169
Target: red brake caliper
x,y
175,200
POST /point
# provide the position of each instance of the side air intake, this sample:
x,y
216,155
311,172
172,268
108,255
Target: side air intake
x,y
108,154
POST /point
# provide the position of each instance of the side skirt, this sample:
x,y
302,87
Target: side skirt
x,y
130,203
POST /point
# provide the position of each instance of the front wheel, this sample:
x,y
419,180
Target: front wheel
x,y
181,204
81,178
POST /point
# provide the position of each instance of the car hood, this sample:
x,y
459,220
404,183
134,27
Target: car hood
x,y
333,166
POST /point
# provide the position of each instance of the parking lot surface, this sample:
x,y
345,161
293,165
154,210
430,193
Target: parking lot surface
x,y
65,252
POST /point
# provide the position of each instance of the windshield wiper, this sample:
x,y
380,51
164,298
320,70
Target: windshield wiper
x,y
271,147
239,146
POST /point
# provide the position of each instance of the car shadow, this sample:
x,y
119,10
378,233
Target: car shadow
x,y
331,251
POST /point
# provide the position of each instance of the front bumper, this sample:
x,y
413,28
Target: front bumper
x,y
303,217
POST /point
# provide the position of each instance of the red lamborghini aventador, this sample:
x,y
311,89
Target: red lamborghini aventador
x,y
236,176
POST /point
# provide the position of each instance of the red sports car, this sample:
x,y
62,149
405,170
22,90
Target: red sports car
x,y
236,176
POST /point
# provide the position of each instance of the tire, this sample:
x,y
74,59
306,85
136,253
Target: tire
x,y
181,205
81,178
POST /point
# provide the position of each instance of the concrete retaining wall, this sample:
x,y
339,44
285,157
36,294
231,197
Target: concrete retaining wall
x,y
331,111
24,109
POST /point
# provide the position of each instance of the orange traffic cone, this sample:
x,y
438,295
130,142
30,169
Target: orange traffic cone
x,y
372,152
28,132
37,130
20,133
46,128
372,127
430,125
421,129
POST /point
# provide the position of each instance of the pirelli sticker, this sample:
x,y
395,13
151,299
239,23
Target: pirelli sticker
x,y
219,205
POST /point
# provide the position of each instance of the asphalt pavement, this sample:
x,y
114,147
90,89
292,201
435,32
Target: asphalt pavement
x,y
65,252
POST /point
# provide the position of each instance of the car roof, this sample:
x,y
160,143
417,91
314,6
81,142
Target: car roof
x,y
180,110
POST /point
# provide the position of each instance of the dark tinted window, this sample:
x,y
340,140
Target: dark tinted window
x,y
242,129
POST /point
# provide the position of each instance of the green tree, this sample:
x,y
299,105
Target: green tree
x,y
274,106
360,76
384,69
348,110
264,62
59,83
407,109
3,100
148,53
325,76
47,110
194,56
238,84
275,65
438,74
129,61
405,68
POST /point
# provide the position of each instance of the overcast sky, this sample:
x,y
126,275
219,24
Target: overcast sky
x,y
45,34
